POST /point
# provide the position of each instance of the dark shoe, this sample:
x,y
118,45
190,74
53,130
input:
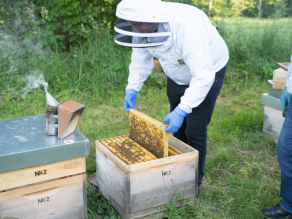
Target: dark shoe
x,y
276,212
198,191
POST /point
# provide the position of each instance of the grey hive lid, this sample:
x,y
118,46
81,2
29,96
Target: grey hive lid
x,y
271,100
23,143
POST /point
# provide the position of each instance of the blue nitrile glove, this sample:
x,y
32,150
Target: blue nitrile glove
x,y
285,97
176,118
130,99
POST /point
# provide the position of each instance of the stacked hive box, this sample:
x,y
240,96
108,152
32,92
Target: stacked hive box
x,y
138,182
280,76
273,119
41,176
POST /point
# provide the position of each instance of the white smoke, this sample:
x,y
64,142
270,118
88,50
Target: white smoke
x,y
21,48
33,81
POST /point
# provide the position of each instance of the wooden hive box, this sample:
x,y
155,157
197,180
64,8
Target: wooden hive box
x,y
39,175
273,119
280,76
273,122
140,188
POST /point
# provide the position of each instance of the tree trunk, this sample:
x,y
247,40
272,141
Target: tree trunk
x,y
290,13
260,8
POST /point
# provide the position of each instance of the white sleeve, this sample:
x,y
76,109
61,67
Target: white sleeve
x,y
140,68
197,56
289,79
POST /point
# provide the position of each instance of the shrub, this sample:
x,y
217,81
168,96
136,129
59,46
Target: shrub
x,y
70,20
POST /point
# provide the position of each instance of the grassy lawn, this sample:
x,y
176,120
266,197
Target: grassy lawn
x,y
242,171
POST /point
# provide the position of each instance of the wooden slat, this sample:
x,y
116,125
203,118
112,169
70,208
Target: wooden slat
x,y
120,140
149,133
31,175
173,151
146,156
108,153
111,141
119,154
149,155
284,65
179,145
106,143
160,162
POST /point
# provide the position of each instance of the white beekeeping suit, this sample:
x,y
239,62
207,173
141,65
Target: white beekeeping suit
x,y
187,45
289,79
192,54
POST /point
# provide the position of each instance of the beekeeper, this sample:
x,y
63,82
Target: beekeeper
x,y
284,150
192,54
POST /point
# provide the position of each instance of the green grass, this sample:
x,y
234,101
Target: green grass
x,y
256,45
242,172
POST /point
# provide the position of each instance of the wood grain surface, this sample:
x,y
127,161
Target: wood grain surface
x,y
60,198
137,189
36,174
280,76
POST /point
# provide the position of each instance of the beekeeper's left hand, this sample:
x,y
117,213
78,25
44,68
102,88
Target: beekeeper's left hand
x,y
176,118
285,97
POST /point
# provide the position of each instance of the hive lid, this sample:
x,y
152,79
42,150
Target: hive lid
x,y
269,99
69,115
275,92
23,143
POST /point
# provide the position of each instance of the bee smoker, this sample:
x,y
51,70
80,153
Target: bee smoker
x,y
51,127
62,119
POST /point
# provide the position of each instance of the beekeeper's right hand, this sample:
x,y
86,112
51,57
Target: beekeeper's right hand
x,y
285,97
130,99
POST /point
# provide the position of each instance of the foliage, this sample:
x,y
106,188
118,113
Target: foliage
x,y
186,209
201,4
21,43
242,174
72,20
98,205
238,8
269,9
255,45
65,18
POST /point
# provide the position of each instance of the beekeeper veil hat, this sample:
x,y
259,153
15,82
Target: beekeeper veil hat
x,y
142,23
